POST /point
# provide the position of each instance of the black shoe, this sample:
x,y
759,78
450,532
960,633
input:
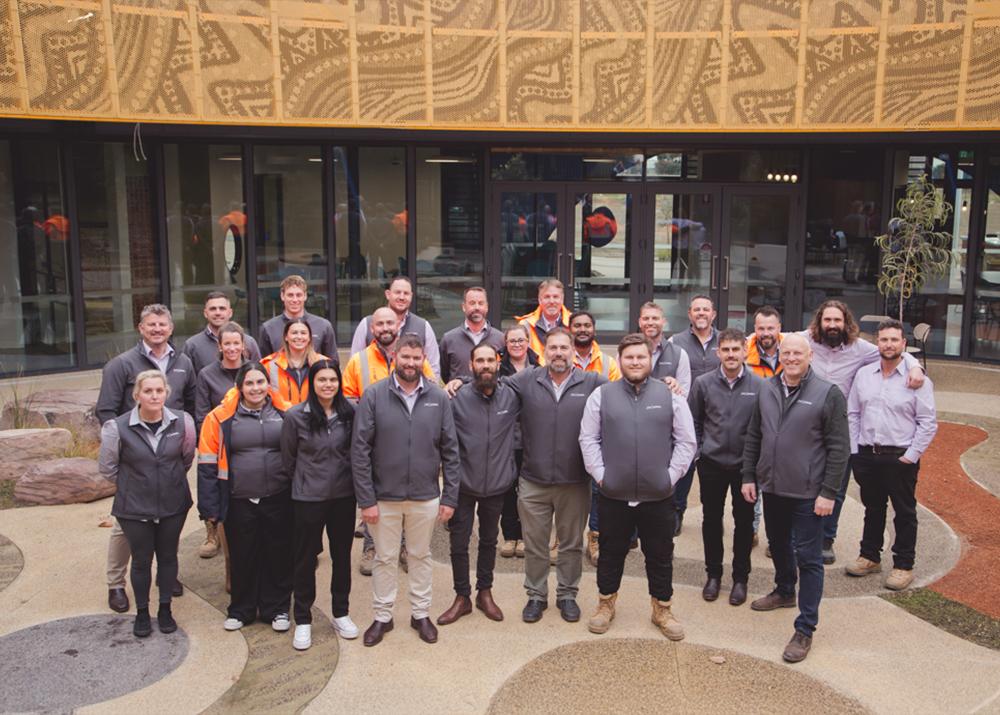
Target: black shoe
x,y
568,609
828,556
118,600
678,523
143,626
532,612
711,590
738,596
165,619
178,589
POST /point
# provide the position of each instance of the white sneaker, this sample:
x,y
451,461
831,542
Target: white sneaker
x,y
345,627
303,637
232,624
281,623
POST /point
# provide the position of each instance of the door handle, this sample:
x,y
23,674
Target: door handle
x,y
714,278
725,273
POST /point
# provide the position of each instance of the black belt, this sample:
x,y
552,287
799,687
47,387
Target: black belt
x,y
881,449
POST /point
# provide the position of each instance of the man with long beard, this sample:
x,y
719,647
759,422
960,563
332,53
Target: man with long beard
x,y
837,354
486,415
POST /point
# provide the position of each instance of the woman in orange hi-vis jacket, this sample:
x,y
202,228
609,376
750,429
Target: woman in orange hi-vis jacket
x,y
242,483
288,369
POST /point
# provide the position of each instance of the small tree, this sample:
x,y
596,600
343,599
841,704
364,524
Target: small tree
x,y
912,250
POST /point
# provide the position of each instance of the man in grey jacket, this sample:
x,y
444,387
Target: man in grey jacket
x,y
722,402
474,330
486,415
637,441
796,451
553,479
293,292
404,431
203,348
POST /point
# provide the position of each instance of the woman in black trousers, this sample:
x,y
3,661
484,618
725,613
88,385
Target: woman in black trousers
x,y
148,452
316,450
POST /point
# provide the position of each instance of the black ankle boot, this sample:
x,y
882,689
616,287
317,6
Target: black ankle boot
x,y
142,626
165,619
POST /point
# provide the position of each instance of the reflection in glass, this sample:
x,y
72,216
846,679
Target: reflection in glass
x,y
206,229
36,329
288,181
683,231
449,255
986,318
118,248
529,251
754,270
601,258
568,165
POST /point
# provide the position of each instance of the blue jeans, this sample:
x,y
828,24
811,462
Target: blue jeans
x,y
800,561
682,489
830,522
758,511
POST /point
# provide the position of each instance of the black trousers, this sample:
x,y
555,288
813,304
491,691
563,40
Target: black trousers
x,y
146,538
883,479
461,531
260,549
510,522
714,483
311,518
655,522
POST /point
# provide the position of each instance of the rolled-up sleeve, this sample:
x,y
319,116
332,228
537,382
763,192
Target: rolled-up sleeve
x,y
685,442
107,457
590,437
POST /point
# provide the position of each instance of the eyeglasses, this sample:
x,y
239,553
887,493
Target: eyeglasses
x,y
517,341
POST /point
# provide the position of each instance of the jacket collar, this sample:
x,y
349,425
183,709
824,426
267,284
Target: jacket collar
x,y
534,316
168,418
575,376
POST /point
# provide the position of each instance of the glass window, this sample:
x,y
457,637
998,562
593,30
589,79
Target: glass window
x,y
288,181
665,166
601,248
767,165
529,249
843,216
566,165
374,247
36,328
206,226
986,319
684,232
118,248
940,301
449,254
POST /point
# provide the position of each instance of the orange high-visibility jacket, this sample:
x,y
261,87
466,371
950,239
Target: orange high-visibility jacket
x,y
369,366
599,362
530,320
281,381
760,367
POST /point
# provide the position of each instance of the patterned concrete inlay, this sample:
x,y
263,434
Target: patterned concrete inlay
x,y
65,664
650,676
276,678
11,562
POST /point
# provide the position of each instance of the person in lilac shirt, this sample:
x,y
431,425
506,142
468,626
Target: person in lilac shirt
x,y
837,354
891,426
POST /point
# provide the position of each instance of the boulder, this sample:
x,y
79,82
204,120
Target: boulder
x,y
70,409
72,480
21,448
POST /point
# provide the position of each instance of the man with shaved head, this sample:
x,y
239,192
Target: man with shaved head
x,y
796,450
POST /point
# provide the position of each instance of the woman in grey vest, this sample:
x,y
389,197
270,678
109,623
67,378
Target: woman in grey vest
x,y
148,452
316,451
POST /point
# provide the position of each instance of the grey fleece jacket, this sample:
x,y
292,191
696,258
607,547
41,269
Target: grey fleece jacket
x,y
118,379
486,426
722,413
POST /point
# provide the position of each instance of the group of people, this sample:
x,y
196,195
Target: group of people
x,y
534,431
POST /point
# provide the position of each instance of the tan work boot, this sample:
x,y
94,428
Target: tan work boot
x,y
367,562
519,549
899,579
507,550
554,552
593,547
600,622
862,567
211,546
664,619
404,560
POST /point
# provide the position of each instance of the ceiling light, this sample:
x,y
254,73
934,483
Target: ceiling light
x,y
315,160
449,160
230,157
598,160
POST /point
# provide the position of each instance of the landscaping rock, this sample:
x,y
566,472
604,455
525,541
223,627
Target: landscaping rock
x,y
70,409
62,481
21,448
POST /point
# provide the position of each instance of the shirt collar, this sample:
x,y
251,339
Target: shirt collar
x,y
148,351
134,419
468,328
722,372
420,385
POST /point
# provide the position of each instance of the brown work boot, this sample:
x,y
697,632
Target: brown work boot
x,y
462,606
664,619
593,547
210,548
367,562
600,622
508,548
862,567
486,604
404,559
899,579
772,601
797,648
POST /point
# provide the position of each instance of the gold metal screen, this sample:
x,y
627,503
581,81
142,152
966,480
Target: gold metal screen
x,y
671,65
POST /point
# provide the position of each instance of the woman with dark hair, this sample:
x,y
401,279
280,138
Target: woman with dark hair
x,y
515,356
288,368
147,452
316,450
242,482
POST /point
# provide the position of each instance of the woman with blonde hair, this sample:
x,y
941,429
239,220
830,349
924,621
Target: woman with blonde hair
x,y
147,452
